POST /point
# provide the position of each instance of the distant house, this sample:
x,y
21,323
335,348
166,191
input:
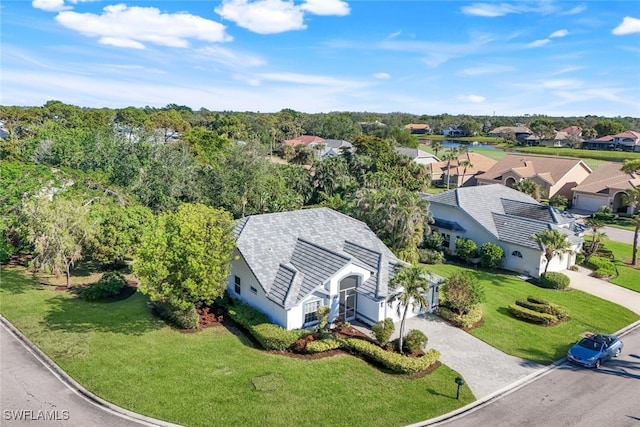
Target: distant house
x,y
602,143
417,155
288,264
303,140
453,131
624,141
520,133
561,139
555,175
507,218
606,186
418,128
460,174
332,147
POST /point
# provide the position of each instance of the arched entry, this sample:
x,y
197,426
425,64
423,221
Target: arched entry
x,y
348,297
510,182
619,204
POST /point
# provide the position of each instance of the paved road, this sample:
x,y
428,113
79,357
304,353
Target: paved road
x,y
32,394
618,234
569,396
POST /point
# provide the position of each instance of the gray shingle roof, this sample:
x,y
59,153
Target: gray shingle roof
x,y
292,253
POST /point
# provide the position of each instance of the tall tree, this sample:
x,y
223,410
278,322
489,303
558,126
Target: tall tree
x,y
410,287
450,155
597,236
553,242
633,167
185,257
59,231
529,187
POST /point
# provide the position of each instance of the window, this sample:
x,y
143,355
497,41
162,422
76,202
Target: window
x,y
310,311
237,287
446,240
254,290
517,253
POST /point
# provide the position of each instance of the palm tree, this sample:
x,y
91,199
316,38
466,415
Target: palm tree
x,y
633,199
449,155
529,187
596,235
410,286
553,242
436,145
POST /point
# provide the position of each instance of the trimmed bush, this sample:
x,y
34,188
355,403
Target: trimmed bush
x,y
532,316
268,335
433,240
415,341
537,300
602,267
491,255
580,258
553,280
183,319
382,330
109,285
394,361
320,346
461,320
430,256
553,309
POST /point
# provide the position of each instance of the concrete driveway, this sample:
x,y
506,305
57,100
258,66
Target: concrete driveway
x,y
625,297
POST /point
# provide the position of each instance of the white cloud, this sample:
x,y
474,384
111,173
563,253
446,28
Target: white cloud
x,y
629,25
492,10
486,69
576,10
308,79
326,7
489,10
277,16
382,76
475,99
539,43
131,27
559,33
50,5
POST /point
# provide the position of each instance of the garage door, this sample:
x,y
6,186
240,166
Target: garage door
x,y
584,202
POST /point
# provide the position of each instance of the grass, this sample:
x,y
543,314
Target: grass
x,y
622,223
533,342
628,276
124,355
601,155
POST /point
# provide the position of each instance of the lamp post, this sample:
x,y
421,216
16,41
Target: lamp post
x,y
460,382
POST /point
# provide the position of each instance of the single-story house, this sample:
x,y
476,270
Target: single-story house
x,y
452,130
417,155
625,141
561,139
462,171
418,128
555,175
507,218
287,264
332,147
519,132
606,186
303,140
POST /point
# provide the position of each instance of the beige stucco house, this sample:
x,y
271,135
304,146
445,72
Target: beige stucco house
x,y
606,186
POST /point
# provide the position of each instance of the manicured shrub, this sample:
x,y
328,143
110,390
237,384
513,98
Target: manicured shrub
x,y
537,300
602,267
183,319
466,248
491,255
466,320
553,309
109,285
461,292
553,280
433,240
579,258
320,346
394,361
605,213
383,329
531,315
415,341
573,267
430,256
323,316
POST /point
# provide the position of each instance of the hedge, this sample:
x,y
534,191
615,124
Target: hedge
x,y
532,316
461,320
602,266
268,335
553,280
548,308
394,361
320,346
183,319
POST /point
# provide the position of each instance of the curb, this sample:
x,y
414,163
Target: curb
x,y
480,403
76,387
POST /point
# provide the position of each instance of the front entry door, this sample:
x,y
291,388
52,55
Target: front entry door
x,y
347,308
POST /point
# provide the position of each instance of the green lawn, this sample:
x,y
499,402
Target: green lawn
x,y
533,342
124,355
628,277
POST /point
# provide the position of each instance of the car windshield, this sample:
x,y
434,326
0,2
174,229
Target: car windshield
x,y
590,344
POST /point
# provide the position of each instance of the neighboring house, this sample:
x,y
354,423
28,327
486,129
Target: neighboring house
x,y
555,175
606,186
602,143
561,139
453,131
418,128
417,155
625,141
332,147
288,264
506,217
458,174
303,140
520,133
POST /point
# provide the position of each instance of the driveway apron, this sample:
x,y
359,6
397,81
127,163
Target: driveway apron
x,y
622,296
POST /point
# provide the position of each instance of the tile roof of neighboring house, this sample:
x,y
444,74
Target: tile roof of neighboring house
x,y
514,129
304,140
627,134
415,153
417,126
292,253
551,169
479,163
606,176
509,215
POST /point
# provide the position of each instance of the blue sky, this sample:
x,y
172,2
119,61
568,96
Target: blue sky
x,y
557,58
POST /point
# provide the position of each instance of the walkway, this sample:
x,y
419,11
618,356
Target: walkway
x,y
622,296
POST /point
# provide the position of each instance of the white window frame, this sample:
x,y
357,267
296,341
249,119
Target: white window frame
x,y
310,308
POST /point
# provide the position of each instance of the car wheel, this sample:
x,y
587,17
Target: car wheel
x,y
618,351
597,365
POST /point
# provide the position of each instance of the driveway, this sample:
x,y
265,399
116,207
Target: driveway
x,y
625,297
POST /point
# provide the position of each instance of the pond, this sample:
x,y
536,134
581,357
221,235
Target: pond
x,y
453,143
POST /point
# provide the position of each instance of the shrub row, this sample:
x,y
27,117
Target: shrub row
x,y
461,320
544,307
183,319
268,335
531,316
538,310
394,361
553,280
320,346
602,267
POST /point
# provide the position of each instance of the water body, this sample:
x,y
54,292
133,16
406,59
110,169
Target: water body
x,y
453,143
